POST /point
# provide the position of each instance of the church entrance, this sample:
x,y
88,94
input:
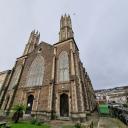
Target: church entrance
x,y
29,104
64,105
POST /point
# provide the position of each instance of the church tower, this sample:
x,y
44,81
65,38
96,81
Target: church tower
x,y
66,31
50,79
32,42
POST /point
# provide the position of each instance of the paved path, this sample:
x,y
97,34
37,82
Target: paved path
x,y
60,123
106,122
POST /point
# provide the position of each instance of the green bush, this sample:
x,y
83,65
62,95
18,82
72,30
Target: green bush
x,y
18,112
33,121
77,125
38,123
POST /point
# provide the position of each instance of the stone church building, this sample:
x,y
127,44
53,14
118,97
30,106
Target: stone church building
x,y
50,79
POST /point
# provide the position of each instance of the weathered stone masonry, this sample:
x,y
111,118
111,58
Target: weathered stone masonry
x,y
61,88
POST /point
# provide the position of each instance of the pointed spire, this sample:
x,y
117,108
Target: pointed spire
x,y
37,32
32,42
65,15
65,27
61,21
69,17
61,17
31,32
39,35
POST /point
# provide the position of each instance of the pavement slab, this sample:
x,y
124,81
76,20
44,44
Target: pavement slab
x,y
107,122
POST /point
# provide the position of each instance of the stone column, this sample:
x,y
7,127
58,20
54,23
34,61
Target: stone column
x,y
79,91
73,86
38,97
52,86
21,99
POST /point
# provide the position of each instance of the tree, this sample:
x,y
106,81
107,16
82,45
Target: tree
x,y
19,109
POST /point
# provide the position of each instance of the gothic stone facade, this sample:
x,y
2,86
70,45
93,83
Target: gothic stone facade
x,y
4,78
51,79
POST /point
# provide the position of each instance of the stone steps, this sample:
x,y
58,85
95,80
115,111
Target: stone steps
x,y
27,117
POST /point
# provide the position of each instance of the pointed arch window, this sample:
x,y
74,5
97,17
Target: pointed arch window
x,y
36,72
15,76
63,67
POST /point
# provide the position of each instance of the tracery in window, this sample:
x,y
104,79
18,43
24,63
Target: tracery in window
x,y
36,72
63,67
15,76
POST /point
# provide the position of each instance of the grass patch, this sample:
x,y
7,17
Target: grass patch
x,y
68,126
28,125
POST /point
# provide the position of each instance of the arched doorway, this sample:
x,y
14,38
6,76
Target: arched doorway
x,y
29,104
64,105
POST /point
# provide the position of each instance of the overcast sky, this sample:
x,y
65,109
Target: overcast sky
x,y
100,27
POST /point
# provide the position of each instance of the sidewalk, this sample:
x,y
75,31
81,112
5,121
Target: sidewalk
x,y
107,122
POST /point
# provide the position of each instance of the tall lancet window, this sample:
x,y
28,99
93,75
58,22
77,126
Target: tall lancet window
x,y
36,72
63,67
15,77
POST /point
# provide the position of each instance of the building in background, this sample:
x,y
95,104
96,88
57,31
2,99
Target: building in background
x,y
117,95
51,79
